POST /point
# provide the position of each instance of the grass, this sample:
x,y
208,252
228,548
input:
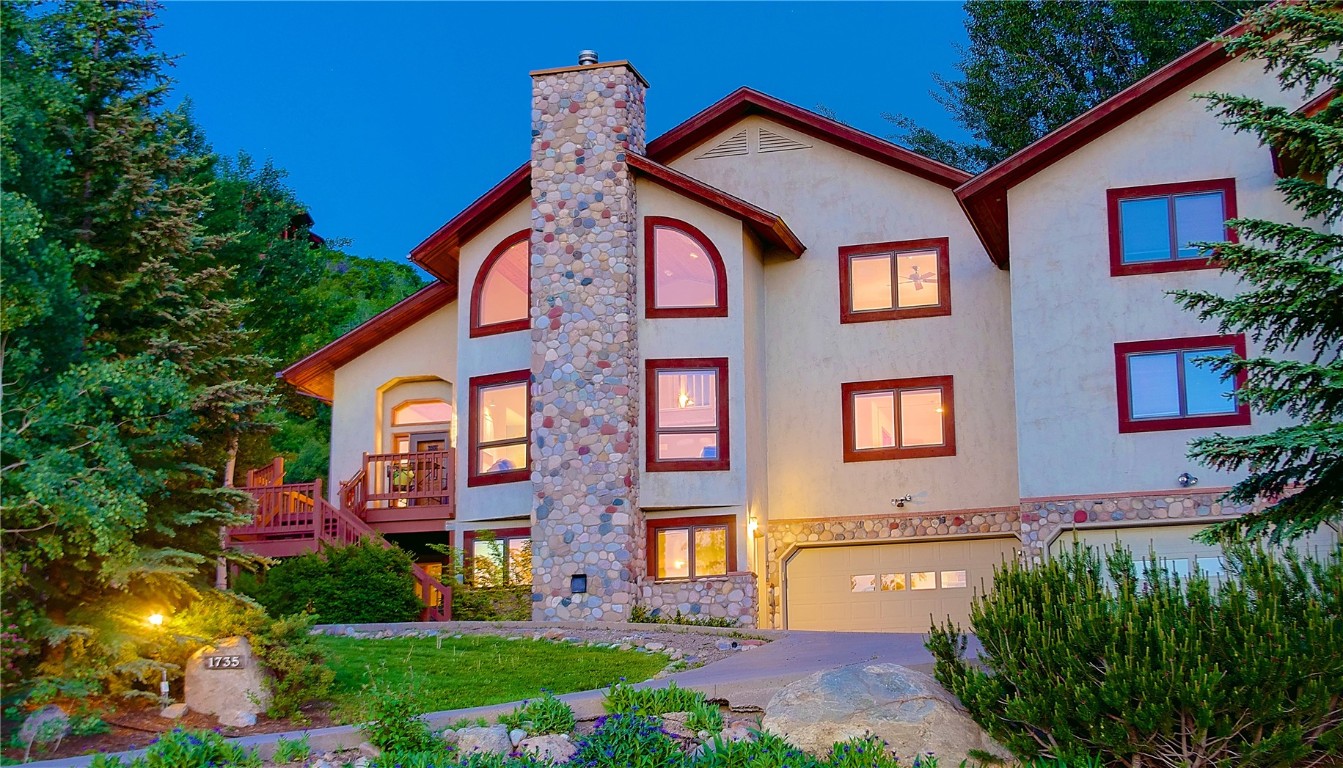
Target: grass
x,y
476,670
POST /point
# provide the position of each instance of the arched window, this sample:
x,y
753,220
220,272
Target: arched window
x,y
414,412
685,274
500,299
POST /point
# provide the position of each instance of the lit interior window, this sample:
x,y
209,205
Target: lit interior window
x,y
503,295
685,276
503,428
687,414
421,412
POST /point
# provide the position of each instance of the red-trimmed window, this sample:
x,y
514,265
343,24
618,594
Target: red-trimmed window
x,y
894,281
1152,227
500,298
899,419
687,420
498,557
685,275
692,547
1170,384
498,431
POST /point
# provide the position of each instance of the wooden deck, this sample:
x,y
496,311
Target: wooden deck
x,y
393,493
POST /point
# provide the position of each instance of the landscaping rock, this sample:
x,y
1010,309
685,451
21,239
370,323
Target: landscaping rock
x,y
655,646
551,748
516,736
674,723
360,762
490,739
449,737
174,711
44,726
907,709
366,749
737,732
234,692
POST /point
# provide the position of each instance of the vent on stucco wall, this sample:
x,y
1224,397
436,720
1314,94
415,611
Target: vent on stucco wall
x,y
733,146
773,142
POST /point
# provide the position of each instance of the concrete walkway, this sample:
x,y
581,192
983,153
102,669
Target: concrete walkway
x,y
745,680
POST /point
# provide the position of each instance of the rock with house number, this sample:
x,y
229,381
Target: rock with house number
x,y
226,680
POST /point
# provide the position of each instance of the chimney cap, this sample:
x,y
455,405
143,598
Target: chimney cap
x,y
587,56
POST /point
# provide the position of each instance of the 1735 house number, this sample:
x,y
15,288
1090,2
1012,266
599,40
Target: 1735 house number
x,y
223,662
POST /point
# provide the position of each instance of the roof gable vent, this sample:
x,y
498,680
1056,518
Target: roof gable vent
x,y
773,142
736,145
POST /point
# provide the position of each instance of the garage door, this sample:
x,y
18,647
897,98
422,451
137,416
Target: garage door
x,y
889,587
1174,546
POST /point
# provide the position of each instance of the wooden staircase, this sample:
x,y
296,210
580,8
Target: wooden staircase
x,y
294,518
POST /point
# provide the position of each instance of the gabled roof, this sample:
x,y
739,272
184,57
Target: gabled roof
x,y
439,252
314,375
769,227
984,197
744,102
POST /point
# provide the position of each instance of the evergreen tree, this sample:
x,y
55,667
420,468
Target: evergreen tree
x,y
1033,65
1292,273
126,372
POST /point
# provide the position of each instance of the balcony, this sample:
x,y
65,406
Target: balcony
x,y
403,492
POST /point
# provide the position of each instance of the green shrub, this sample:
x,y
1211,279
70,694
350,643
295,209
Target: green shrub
x,y
1085,661
641,615
391,715
186,749
291,751
508,603
705,717
626,699
628,741
765,750
299,673
544,715
863,752
359,584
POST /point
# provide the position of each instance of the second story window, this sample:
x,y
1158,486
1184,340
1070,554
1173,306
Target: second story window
x,y
498,428
687,424
894,281
898,419
1152,228
684,272
1170,384
500,298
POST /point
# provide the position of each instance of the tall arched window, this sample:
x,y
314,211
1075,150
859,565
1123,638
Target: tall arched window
x,y
500,299
685,274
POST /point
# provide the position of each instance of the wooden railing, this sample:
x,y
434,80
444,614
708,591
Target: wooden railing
x,y
271,474
282,511
394,481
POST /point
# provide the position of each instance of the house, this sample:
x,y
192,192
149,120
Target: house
x,y
767,367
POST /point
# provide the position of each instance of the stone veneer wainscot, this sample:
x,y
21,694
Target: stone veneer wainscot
x,y
585,351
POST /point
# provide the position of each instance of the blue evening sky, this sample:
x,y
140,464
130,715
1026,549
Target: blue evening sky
x,y
392,117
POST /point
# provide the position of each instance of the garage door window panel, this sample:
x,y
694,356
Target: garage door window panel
x,y
923,580
1171,384
689,548
898,419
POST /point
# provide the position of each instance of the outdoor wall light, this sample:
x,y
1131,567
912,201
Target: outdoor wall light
x,y
1186,480
578,583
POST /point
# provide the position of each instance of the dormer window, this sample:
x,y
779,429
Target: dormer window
x,y
685,274
501,299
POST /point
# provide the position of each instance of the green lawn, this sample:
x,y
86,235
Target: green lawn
x,y
476,670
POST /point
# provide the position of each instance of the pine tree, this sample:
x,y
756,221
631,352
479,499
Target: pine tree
x,y
1292,273
1033,65
127,372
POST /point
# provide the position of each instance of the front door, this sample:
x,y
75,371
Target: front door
x,y
431,474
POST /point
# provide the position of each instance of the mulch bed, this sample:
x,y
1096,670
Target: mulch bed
x,y
135,723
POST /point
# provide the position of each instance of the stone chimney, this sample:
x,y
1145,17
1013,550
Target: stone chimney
x,y
587,531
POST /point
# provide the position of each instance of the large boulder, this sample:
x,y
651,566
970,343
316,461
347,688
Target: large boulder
x,y
492,739
553,748
226,680
907,709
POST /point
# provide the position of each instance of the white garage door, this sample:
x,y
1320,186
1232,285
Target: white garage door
x,y
889,587
1173,545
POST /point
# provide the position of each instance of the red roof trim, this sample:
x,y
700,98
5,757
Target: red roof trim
x,y
745,101
439,252
768,226
315,374
984,198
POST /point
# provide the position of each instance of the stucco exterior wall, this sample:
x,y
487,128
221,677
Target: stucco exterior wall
x,y
1068,312
830,198
425,350
663,338
482,356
